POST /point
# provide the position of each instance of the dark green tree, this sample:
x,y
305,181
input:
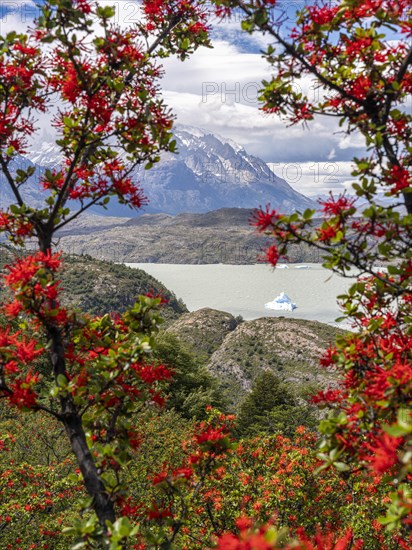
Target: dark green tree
x,y
271,407
193,387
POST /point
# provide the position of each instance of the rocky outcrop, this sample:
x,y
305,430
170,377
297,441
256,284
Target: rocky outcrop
x,y
291,348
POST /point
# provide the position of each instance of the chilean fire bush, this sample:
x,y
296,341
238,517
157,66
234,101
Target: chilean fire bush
x,y
98,84
358,56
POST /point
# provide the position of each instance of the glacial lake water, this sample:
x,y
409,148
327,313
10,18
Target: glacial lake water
x,y
244,289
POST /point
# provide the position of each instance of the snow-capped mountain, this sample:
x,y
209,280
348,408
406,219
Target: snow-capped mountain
x,y
210,172
30,191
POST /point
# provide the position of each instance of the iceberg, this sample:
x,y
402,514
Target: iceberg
x,y
281,302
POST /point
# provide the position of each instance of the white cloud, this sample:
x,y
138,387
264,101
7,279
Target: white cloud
x,y
356,141
17,15
222,71
316,178
218,90
262,135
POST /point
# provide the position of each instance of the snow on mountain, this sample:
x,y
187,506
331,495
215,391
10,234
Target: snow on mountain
x,y
210,172
45,154
29,191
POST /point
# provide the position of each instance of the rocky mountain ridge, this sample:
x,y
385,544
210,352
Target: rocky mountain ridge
x,y
209,172
221,236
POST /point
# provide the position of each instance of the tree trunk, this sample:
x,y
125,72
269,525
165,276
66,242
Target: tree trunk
x,y
72,422
102,503
408,202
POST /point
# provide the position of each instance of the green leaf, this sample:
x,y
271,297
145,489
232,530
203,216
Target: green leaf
x,y
341,466
123,526
106,12
308,213
185,45
15,209
62,381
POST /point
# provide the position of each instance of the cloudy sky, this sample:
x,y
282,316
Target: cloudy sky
x,y
217,89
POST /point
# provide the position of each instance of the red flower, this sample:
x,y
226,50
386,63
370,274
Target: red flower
x,y
322,15
153,7
272,255
399,178
211,435
243,523
327,233
338,206
13,309
160,478
152,373
22,395
71,88
153,296
197,28
264,219
184,473
327,396
328,358
24,269
361,87
27,351
384,454
84,6
328,541
155,513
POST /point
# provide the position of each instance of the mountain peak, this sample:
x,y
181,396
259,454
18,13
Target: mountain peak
x,y
210,172
180,129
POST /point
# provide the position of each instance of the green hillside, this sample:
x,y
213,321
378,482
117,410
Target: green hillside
x,y
236,353
99,287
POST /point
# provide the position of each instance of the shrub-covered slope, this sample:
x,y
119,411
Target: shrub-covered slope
x,y
204,330
99,287
291,348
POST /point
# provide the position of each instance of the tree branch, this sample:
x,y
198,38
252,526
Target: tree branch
x,y
10,181
296,55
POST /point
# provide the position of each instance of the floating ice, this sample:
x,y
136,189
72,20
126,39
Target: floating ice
x,y
281,302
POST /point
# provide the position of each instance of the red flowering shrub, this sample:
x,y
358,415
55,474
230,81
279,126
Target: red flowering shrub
x,y
95,373
364,78
262,491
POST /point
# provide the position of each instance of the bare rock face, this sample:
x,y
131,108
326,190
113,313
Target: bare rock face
x,y
204,330
220,236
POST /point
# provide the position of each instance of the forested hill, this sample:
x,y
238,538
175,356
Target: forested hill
x,y
237,351
99,287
